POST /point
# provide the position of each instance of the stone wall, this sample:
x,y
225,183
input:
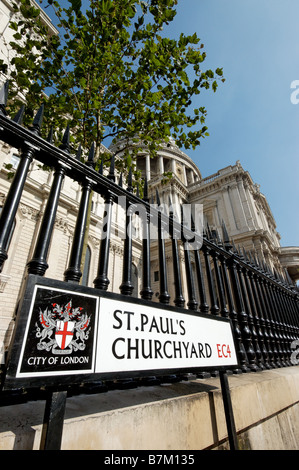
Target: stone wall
x,y
182,416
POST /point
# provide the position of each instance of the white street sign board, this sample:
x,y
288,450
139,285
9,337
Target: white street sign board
x,y
134,337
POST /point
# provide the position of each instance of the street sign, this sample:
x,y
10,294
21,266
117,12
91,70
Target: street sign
x,y
66,332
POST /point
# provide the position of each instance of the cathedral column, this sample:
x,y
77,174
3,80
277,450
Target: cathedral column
x,y
245,204
173,169
237,206
251,205
229,209
148,167
191,176
184,175
161,165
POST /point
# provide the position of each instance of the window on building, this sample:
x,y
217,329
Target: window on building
x,y
14,160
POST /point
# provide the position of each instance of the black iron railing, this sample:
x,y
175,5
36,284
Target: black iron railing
x,y
263,306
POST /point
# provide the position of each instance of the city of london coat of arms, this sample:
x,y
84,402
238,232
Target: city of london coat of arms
x,y
62,329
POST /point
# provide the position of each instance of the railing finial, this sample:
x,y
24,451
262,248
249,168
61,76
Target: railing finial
x,y
19,116
38,120
90,159
65,145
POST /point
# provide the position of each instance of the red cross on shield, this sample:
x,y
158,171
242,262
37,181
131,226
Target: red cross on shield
x,y
64,333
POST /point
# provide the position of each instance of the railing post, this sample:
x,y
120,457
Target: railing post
x,y
12,200
179,300
233,314
228,410
126,287
73,273
13,197
264,322
241,316
223,308
146,291
102,281
261,352
283,325
274,322
203,307
214,309
252,334
38,264
164,296
53,421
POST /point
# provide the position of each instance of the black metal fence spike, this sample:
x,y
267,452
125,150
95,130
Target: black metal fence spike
x,y
79,153
224,233
120,181
50,135
234,247
91,154
130,181
65,145
158,198
18,118
209,232
101,167
4,97
111,174
145,190
38,120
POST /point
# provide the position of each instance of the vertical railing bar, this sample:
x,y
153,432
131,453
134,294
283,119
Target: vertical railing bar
x,y
269,324
192,303
214,309
146,291
126,287
275,323
258,335
102,281
13,197
222,299
228,409
53,421
164,296
73,272
232,314
204,307
179,300
38,263
246,292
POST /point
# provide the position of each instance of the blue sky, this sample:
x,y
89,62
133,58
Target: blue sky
x,y
251,117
